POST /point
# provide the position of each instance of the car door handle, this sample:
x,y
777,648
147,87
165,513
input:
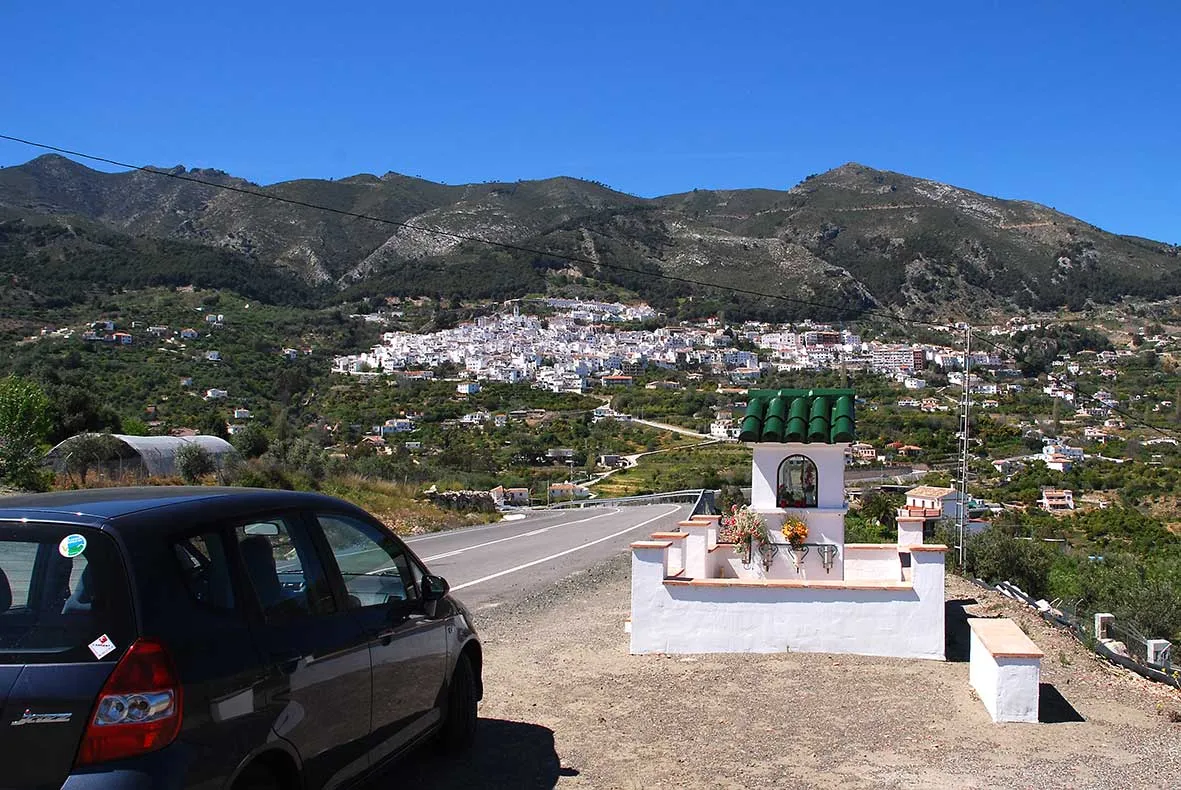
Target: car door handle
x,y
385,636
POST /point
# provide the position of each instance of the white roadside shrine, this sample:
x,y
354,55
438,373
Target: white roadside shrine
x,y
691,594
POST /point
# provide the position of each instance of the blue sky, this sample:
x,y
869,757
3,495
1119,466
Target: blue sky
x,y
1073,104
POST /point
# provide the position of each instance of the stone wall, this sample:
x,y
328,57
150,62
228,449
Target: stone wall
x,y
468,501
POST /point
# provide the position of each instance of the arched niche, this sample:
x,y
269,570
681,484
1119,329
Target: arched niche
x,y
797,483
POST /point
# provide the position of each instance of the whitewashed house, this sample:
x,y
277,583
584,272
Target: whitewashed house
x,y
1054,500
932,501
692,594
863,452
395,425
1061,457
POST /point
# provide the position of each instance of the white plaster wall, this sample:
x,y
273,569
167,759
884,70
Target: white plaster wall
x,y
684,618
1017,689
872,563
982,674
825,525
1008,687
715,563
696,552
830,472
910,532
674,557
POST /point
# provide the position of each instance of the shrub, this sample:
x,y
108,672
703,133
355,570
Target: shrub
x,y
194,462
24,421
996,555
251,441
728,497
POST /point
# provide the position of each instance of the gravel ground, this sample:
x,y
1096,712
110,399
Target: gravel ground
x,y
566,706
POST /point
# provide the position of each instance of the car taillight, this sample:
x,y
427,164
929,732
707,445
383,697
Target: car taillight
x,y
139,708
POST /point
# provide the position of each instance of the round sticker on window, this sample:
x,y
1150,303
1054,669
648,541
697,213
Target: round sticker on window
x,y
71,546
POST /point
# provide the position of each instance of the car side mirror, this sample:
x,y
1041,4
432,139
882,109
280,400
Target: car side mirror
x,y
434,587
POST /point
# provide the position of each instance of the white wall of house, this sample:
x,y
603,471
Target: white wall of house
x,y
903,619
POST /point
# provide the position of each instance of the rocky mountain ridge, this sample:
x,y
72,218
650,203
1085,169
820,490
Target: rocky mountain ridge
x,y
853,236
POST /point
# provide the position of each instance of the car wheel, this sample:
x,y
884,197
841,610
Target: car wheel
x,y
459,714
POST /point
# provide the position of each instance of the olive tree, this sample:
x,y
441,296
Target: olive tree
x,y
88,450
194,462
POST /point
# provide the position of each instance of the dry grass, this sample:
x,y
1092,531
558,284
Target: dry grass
x,y
395,504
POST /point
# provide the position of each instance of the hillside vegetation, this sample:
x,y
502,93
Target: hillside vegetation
x,y
853,236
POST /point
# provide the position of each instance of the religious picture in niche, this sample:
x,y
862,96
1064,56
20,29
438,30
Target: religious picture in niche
x,y
797,482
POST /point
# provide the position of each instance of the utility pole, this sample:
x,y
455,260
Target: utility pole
x,y
965,447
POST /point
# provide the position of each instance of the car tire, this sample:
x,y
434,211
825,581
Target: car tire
x,y
459,711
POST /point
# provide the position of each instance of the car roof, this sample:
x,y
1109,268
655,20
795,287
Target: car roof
x,y
98,506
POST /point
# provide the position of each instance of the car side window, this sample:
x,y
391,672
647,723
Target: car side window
x,y
374,565
205,569
281,565
17,560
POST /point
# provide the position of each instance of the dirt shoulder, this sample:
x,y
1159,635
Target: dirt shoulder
x,y
566,706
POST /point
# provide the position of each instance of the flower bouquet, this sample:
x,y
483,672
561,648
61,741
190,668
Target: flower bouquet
x,y
746,529
795,530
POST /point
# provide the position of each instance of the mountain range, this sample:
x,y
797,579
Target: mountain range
x,y
853,237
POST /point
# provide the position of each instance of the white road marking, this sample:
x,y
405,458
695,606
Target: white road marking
x,y
467,530
514,537
563,553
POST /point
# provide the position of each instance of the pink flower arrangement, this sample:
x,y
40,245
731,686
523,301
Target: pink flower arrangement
x,y
745,528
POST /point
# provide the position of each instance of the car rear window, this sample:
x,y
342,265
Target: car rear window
x,y
63,595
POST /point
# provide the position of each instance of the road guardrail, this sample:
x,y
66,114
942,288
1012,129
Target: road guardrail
x,y
701,498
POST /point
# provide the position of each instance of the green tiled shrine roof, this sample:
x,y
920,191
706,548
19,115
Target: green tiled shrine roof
x,y
822,416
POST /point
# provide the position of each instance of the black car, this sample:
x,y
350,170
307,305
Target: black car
x,y
219,638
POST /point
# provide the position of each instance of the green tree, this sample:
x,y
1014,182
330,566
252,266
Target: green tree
x,y
251,441
74,410
24,423
194,462
882,508
995,555
133,426
87,450
213,424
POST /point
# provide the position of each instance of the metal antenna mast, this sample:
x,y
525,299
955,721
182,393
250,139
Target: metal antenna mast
x,y
965,446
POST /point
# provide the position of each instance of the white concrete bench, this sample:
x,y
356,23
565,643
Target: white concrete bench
x,y
1005,668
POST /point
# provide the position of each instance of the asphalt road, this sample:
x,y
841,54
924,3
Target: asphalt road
x,y
490,564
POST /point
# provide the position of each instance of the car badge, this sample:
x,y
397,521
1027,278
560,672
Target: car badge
x,y
41,718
